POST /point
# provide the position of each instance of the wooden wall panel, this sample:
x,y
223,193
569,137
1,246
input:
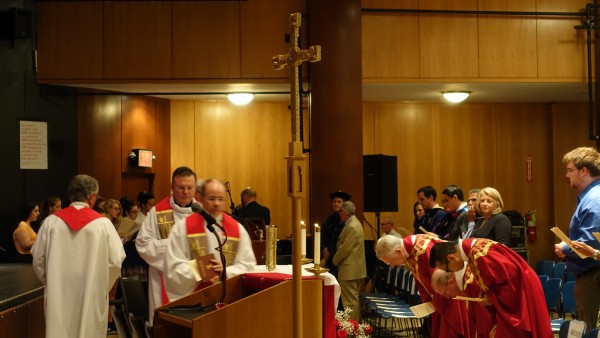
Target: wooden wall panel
x,y
138,120
243,145
394,4
507,45
562,51
570,130
182,128
524,130
162,177
448,45
69,40
465,146
265,24
399,35
134,48
138,131
99,139
206,39
24,320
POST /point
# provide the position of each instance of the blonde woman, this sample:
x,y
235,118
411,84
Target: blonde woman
x,y
494,224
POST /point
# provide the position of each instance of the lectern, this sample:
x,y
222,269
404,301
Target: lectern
x,y
250,313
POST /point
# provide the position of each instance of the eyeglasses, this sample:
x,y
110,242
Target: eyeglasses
x,y
570,170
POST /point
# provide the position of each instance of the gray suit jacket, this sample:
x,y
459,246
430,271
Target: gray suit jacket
x,y
350,254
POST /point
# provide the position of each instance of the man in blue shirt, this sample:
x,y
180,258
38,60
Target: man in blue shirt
x,y
583,173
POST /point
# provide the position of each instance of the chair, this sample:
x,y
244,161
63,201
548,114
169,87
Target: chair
x,y
548,267
595,333
120,322
568,300
543,280
134,297
137,324
558,271
552,294
539,266
572,329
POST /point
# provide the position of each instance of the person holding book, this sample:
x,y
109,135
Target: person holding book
x,y
583,173
191,261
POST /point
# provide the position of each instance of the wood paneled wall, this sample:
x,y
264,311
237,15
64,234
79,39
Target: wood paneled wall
x,y
403,46
245,146
109,127
24,321
161,40
471,145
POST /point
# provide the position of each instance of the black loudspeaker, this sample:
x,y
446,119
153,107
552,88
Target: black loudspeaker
x,y
380,183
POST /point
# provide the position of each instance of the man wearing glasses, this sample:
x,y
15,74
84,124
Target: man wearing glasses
x,y
507,281
387,225
583,173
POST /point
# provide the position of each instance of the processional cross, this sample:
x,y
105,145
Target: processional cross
x,y
296,159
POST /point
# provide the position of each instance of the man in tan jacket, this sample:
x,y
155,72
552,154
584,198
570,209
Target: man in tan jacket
x,y
350,258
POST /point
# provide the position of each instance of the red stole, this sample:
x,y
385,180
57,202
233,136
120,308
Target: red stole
x,y
164,215
199,244
75,218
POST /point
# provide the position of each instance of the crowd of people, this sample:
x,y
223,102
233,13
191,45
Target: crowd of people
x,y
458,248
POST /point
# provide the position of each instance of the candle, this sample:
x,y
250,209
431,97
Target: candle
x,y
303,238
317,245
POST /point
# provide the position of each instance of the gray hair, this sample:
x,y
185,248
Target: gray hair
x,y
388,220
386,245
201,188
81,187
349,208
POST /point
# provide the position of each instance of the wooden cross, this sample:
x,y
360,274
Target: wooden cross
x,y
294,58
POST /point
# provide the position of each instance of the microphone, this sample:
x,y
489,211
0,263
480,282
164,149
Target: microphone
x,y
210,221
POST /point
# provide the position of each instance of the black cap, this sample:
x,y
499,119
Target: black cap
x,y
343,195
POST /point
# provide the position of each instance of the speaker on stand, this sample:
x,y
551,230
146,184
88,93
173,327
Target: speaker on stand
x,y
380,184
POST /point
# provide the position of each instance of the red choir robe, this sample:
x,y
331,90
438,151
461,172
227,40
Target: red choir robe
x,y
451,318
480,316
513,288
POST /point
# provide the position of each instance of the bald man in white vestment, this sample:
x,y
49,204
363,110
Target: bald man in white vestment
x,y
182,275
77,256
151,242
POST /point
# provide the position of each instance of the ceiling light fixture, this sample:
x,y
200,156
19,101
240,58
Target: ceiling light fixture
x,y
240,99
456,96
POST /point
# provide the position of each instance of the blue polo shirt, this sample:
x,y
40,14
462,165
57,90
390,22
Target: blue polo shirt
x,y
586,220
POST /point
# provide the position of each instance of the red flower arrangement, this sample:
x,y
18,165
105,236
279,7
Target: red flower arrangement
x,y
346,327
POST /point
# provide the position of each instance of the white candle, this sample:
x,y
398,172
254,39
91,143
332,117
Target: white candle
x,y
317,244
303,238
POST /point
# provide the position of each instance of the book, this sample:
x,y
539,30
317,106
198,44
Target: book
x,y
128,227
205,266
423,310
561,235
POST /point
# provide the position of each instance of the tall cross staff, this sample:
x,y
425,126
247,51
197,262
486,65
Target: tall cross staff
x,y
296,159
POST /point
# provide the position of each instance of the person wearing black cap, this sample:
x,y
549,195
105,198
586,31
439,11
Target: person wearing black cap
x,y
331,229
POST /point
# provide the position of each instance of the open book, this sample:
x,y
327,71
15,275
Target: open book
x,y
566,239
128,227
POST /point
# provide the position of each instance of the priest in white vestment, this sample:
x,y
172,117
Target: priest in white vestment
x,y
151,242
182,274
77,256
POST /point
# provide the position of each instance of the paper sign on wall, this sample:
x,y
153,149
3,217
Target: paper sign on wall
x,y
33,145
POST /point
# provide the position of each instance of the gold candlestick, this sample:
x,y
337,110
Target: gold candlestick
x,y
317,269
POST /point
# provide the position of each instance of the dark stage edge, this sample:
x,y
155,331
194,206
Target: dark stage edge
x,y
18,285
